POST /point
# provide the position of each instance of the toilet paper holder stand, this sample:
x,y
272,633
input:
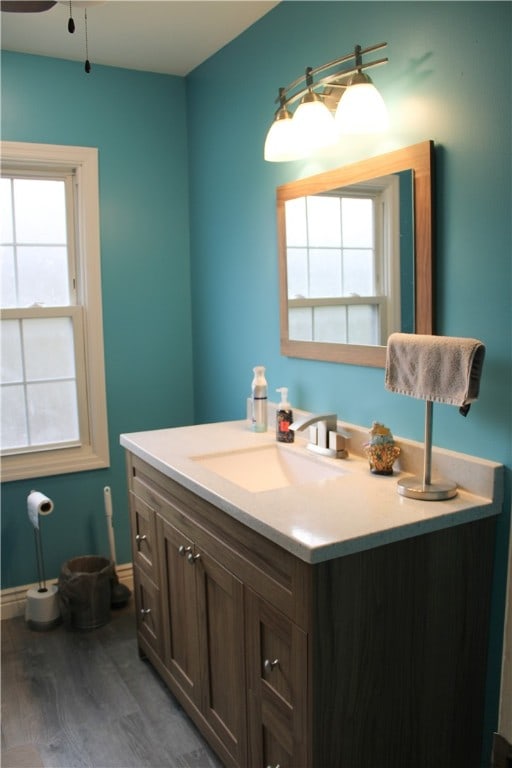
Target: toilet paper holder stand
x,y
42,608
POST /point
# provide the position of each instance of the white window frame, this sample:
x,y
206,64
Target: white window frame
x,y
93,452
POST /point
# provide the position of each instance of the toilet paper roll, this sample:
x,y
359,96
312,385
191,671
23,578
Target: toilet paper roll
x,y
42,607
38,504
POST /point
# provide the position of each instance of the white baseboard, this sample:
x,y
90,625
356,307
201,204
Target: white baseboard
x,y
12,601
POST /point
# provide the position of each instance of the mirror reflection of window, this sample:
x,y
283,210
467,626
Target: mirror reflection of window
x,y
382,280
342,252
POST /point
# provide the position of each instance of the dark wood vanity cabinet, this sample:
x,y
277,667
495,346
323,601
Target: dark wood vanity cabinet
x,y
372,660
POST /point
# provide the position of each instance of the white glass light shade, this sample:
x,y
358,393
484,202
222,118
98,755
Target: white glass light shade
x,y
314,125
281,144
361,109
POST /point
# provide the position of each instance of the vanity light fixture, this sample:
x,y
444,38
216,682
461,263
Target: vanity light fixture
x,y
348,92
280,144
313,123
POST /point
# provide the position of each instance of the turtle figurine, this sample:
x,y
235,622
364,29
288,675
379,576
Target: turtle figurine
x,y
381,450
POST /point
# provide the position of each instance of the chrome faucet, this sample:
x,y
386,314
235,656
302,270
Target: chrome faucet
x,y
324,436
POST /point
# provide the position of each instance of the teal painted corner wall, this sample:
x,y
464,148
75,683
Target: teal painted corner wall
x,y
138,122
437,86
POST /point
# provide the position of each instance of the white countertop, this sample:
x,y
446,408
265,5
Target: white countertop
x,y
318,521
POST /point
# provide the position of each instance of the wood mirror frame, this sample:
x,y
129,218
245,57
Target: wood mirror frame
x,y
420,159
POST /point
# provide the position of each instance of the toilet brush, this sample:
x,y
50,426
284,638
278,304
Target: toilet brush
x,y
120,594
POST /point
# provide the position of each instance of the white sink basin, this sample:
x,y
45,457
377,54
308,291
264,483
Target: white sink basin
x,y
268,467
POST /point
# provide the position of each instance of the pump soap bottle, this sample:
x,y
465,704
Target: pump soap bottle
x,y
284,417
259,398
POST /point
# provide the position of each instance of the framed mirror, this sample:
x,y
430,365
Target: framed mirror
x,y
355,257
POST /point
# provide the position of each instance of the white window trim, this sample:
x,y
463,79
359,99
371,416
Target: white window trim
x,y
95,454
386,194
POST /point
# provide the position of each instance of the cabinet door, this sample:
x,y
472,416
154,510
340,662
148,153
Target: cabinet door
x,y
278,691
221,635
142,518
178,587
147,606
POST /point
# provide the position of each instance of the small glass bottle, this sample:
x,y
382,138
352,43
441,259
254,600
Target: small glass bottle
x,y
284,417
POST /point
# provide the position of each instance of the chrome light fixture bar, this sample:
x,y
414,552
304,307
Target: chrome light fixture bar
x,y
347,92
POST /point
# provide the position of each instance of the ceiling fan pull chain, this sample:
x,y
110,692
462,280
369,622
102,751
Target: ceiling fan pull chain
x,y
71,23
87,66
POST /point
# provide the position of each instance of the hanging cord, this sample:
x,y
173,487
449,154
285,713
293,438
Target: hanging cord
x,y
87,66
71,23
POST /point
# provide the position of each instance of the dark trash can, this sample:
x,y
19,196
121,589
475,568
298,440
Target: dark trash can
x,y
84,591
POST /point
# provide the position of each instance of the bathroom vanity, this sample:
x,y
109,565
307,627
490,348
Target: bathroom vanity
x,y
319,619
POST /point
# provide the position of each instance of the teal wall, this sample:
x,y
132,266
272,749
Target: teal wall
x,y
448,79
138,123
437,87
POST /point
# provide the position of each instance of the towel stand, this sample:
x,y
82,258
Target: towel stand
x,y
424,488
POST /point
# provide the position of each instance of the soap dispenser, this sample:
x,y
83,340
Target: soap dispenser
x,y
259,418
284,417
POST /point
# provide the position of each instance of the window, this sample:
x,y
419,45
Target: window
x,y
53,404
339,264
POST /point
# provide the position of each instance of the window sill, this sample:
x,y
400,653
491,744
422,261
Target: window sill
x,y
25,466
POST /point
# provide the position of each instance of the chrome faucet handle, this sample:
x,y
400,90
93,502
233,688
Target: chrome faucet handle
x,y
324,436
336,447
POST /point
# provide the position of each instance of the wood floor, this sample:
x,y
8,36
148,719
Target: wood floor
x,y
75,699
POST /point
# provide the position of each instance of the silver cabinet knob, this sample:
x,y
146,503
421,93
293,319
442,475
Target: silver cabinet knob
x,y
145,611
140,538
274,766
182,550
268,666
192,558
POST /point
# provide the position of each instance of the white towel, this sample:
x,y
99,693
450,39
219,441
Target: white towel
x,y
444,369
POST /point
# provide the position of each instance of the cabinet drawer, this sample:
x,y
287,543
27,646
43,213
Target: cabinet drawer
x,y
275,652
271,743
143,524
148,611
